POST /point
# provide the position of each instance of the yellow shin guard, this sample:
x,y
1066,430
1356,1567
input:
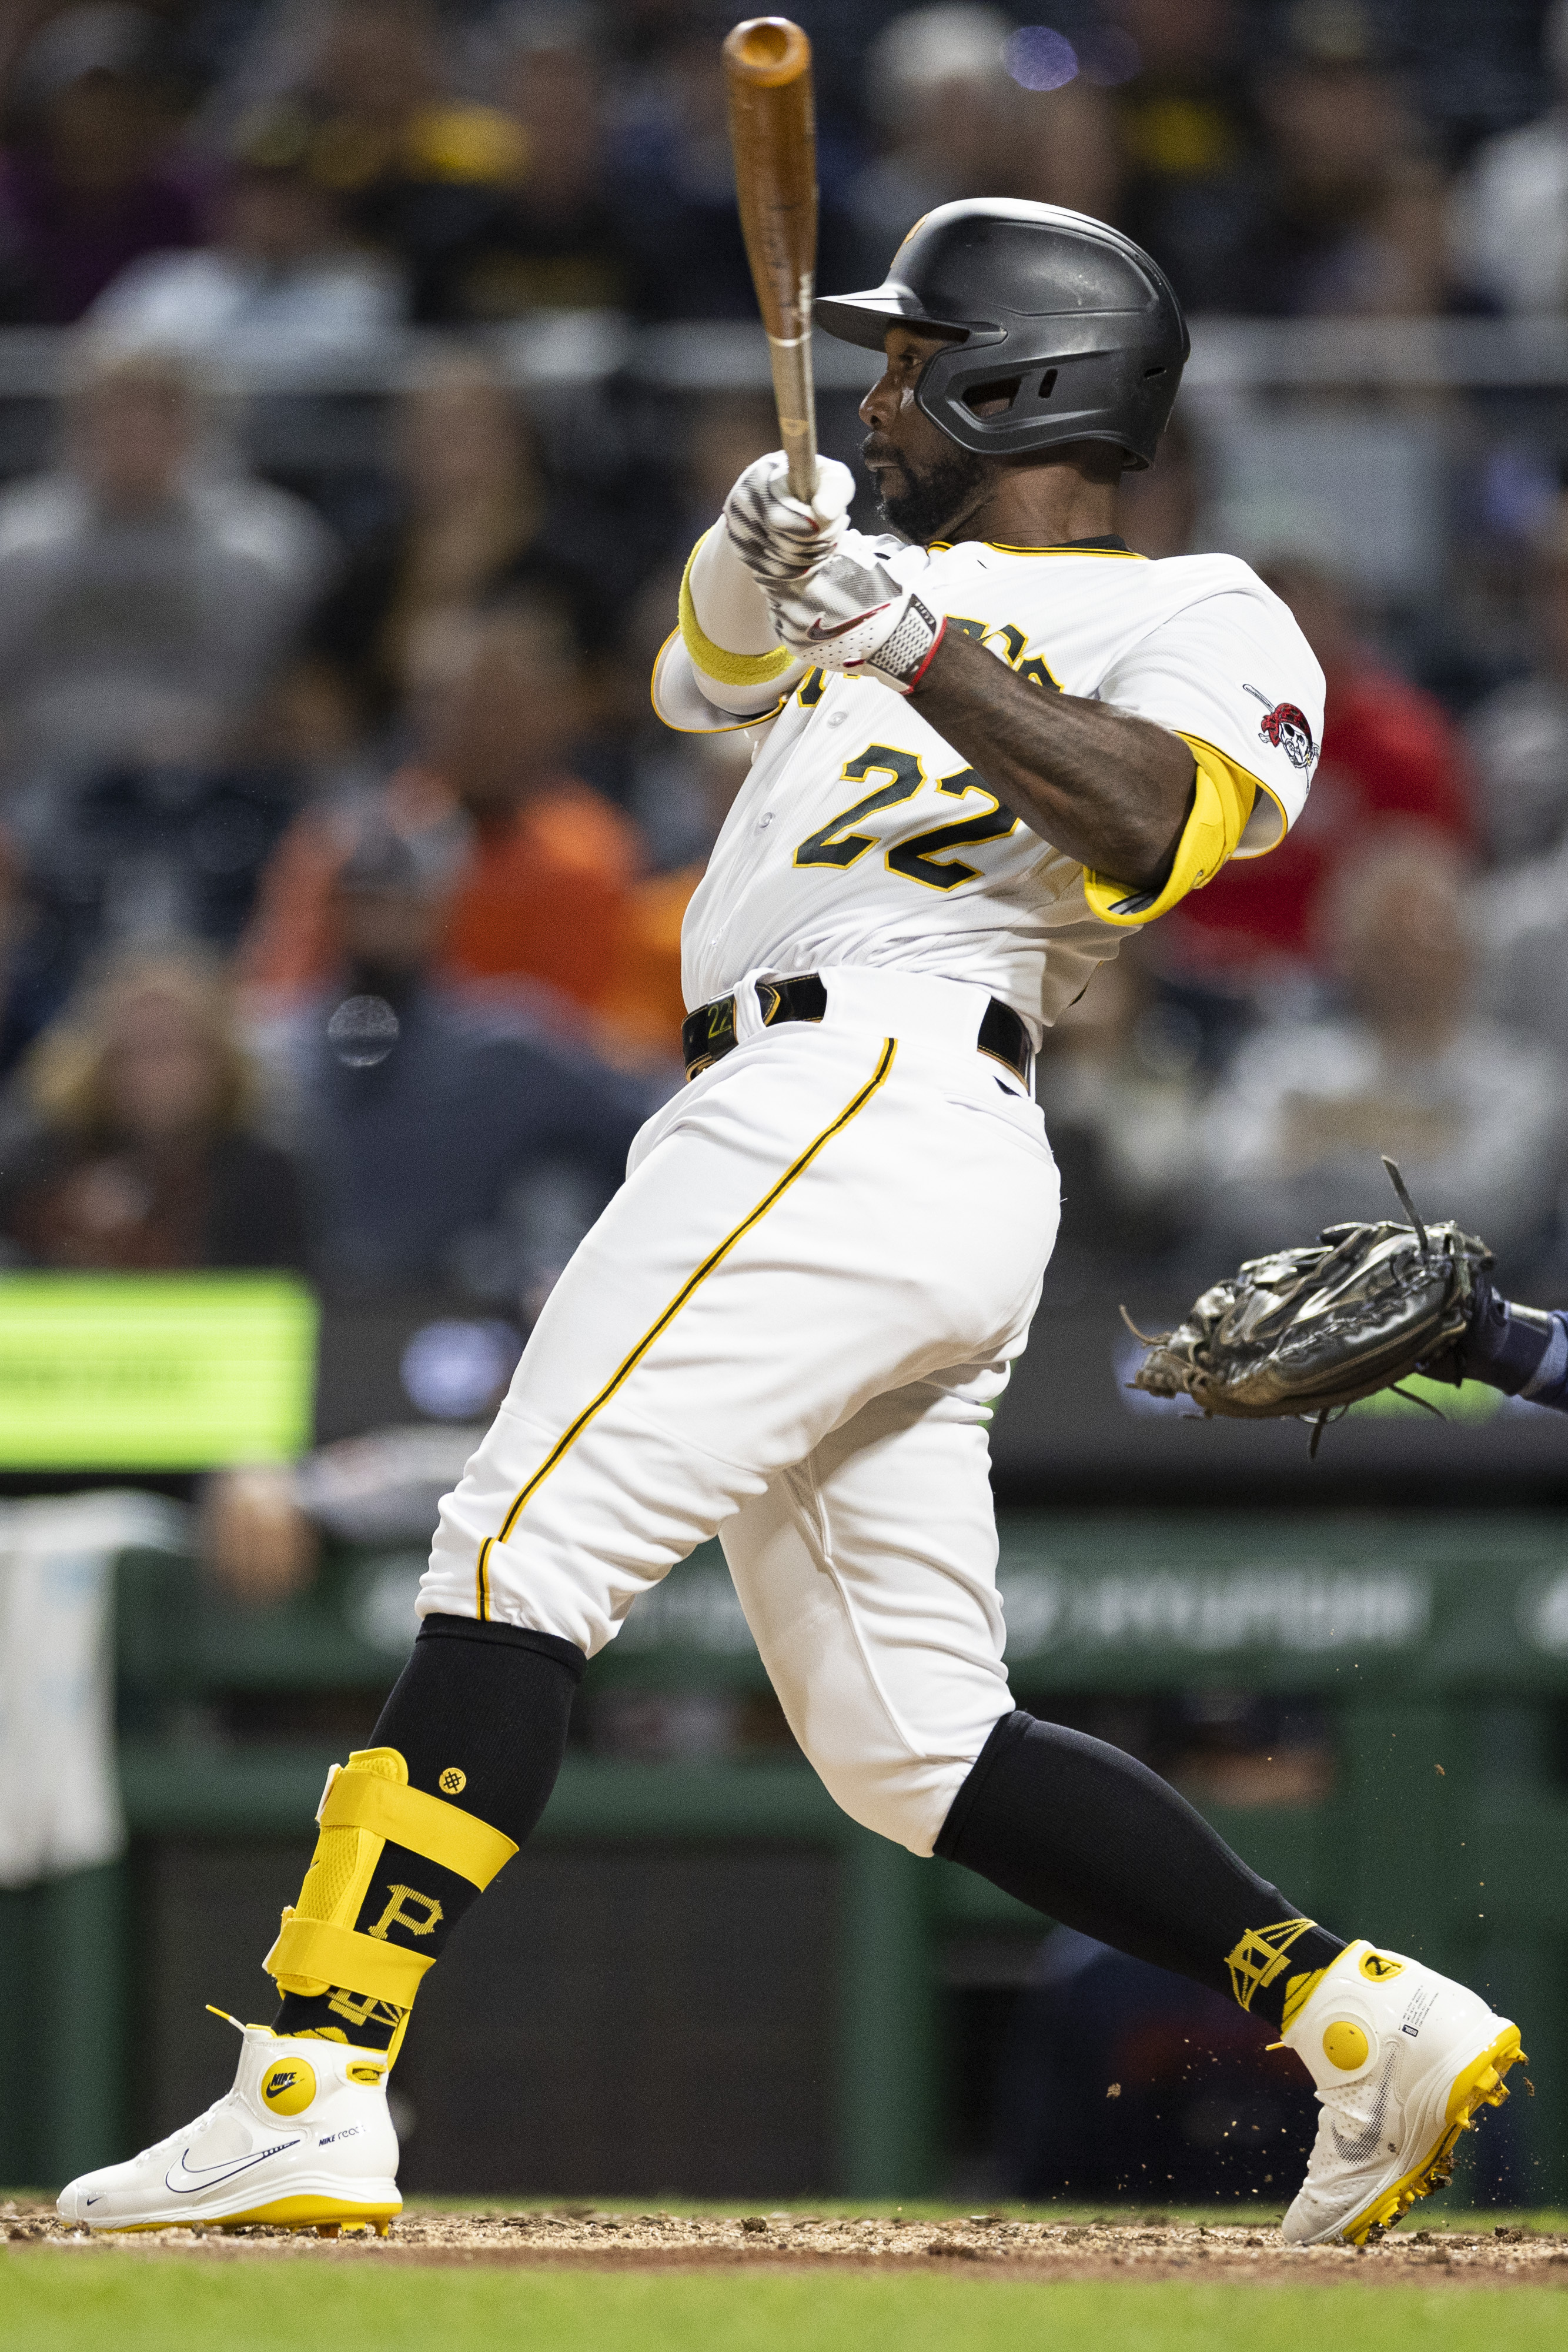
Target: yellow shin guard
x,y
320,1949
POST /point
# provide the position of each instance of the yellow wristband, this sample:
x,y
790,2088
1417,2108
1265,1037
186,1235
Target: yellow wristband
x,y
1222,803
730,669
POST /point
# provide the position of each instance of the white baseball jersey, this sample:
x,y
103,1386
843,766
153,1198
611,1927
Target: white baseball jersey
x,y
862,836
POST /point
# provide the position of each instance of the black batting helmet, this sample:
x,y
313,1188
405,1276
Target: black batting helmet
x,y
1068,319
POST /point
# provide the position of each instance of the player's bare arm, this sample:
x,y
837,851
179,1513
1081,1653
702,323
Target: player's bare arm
x,y
1109,789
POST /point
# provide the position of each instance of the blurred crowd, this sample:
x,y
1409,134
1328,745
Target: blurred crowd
x,y
342,861
323,169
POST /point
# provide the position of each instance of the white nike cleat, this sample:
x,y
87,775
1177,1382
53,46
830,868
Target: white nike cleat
x,y
1401,2058
303,2141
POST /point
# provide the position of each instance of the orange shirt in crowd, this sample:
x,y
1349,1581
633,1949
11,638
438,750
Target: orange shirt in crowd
x,y
642,1006
541,896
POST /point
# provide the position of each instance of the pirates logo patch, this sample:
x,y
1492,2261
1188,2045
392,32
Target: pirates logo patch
x,y
1287,728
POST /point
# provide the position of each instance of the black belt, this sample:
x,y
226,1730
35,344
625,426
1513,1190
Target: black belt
x,y
708,1034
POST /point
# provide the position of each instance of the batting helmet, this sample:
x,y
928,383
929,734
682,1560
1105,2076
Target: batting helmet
x,y
1067,318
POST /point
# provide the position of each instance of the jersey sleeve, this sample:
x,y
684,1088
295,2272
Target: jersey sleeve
x,y
704,686
1233,674
679,700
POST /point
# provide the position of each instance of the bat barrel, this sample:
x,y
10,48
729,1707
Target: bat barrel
x,y
768,51
767,68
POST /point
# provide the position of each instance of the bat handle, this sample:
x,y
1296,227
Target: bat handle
x,y
795,399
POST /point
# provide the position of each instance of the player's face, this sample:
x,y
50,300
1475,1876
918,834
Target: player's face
x,y
928,485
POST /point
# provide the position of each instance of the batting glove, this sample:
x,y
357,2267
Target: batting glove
x,y
778,538
850,613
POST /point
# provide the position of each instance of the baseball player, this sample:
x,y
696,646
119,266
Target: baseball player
x,y
985,748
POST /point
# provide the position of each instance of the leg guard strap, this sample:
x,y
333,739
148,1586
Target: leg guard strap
x,y
317,1954
423,1825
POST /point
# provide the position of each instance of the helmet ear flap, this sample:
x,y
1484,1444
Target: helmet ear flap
x,y
1047,402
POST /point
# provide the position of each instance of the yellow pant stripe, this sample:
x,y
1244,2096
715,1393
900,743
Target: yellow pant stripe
x,y
482,1581
424,1824
341,1956
715,1257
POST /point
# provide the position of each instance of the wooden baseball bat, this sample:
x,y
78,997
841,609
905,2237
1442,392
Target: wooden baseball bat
x,y
773,135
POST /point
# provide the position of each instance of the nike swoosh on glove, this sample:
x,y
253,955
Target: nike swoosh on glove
x,y
778,538
852,615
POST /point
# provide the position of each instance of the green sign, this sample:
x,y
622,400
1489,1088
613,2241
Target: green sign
x,y
178,1371
1409,1601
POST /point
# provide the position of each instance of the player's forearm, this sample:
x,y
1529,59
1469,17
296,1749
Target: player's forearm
x,y
1108,789
728,603
729,632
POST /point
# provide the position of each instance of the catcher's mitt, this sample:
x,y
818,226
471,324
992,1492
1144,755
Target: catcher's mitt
x,y
1306,1332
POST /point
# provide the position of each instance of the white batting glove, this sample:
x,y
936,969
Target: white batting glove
x,y
850,614
778,538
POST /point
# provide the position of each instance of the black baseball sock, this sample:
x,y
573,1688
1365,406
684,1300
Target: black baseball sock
x,y
479,1717
1095,1839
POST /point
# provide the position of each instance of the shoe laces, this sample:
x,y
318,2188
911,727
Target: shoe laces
x,y
185,2133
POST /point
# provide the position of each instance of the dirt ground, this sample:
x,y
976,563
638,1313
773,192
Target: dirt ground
x,y
1154,2245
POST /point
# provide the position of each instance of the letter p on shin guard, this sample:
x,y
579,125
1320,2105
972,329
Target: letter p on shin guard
x,y
366,1805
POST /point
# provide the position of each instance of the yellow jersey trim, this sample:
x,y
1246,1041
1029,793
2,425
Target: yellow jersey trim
x,y
734,727
1222,803
693,1282
1003,547
717,661
426,1825
1270,793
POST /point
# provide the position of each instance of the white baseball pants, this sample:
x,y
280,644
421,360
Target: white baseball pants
x,y
787,1329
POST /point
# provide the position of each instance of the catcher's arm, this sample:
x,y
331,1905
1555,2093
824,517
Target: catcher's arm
x,y
1523,1351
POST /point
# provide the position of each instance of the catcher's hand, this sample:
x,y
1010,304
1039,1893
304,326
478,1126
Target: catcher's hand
x,y
1307,1332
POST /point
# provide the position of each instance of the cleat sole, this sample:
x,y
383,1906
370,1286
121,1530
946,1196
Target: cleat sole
x,y
1480,2085
327,2216
330,2217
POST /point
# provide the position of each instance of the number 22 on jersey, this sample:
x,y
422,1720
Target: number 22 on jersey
x,y
918,858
